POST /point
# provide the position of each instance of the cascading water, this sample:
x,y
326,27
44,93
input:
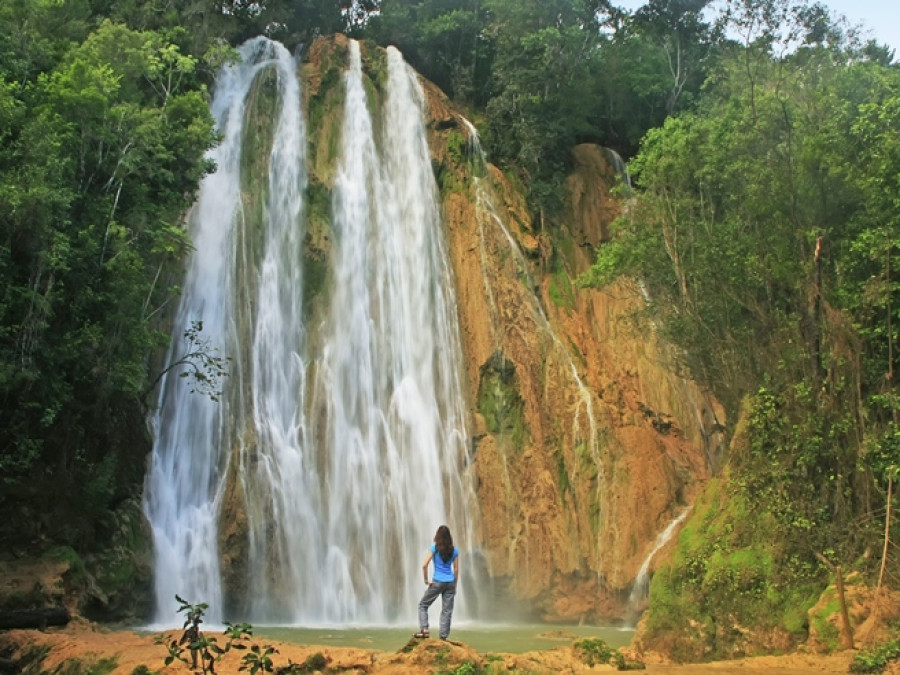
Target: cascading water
x,y
348,438
387,393
193,433
641,587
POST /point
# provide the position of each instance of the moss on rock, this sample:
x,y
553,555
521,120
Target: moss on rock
x,y
500,402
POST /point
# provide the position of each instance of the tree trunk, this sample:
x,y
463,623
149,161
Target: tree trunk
x,y
34,618
846,632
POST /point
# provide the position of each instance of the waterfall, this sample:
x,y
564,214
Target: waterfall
x,y
641,587
620,167
391,420
348,438
192,433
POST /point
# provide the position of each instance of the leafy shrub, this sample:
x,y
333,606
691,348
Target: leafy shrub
x,y
317,661
593,651
91,667
467,668
875,660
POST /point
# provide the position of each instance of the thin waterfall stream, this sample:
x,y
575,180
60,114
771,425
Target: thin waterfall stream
x,y
345,442
584,423
641,587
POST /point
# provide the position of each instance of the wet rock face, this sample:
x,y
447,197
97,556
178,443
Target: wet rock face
x,y
587,442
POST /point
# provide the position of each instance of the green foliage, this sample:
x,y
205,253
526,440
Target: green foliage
x,y
467,668
594,651
562,475
560,290
87,667
200,363
301,21
443,39
457,147
75,573
324,120
733,563
876,659
762,234
200,646
31,659
317,661
827,632
452,173
258,659
499,401
551,74
791,437
104,136
727,261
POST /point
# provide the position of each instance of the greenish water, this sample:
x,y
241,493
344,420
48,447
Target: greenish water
x,y
484,638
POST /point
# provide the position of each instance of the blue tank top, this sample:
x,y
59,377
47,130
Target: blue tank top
x,y
443,571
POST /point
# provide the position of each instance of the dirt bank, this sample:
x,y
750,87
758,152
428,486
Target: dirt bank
x,y
124,652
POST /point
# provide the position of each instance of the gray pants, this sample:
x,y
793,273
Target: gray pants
x,y
447,591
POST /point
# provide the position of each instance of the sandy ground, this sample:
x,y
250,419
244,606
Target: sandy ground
x,y
90,644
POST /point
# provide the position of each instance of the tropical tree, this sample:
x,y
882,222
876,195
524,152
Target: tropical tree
x,y
444,40
677,27
763,233
103,150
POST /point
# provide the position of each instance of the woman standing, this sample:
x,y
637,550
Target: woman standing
x,y
443,582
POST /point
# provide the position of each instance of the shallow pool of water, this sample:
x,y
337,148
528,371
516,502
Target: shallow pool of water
x,y
484,638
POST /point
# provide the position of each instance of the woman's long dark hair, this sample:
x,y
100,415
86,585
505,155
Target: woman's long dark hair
x,y
444,543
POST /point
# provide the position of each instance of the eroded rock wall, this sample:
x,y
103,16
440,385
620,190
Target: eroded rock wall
x,y
587,441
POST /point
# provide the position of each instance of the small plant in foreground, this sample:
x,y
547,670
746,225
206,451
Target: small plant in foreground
x,y
317,661
205,649
467,668
595,651
258,659
202,648
875,660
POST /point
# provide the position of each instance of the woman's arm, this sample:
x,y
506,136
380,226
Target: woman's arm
x,y
456,568
425,565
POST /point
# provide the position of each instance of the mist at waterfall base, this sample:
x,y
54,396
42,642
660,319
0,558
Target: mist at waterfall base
x,y
347,440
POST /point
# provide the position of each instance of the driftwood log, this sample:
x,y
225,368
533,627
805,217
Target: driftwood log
x,y
34,618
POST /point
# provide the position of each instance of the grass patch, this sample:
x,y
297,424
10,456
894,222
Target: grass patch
x,y
596,652
876,660
725,573
561,292
86,667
